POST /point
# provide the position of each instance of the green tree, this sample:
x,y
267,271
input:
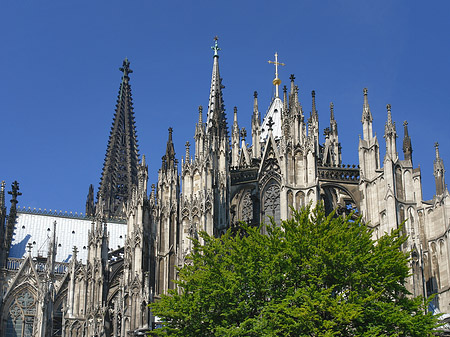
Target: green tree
x,y
313,275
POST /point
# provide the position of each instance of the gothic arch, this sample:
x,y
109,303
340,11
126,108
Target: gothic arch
x,y
270,197
20,311
339,198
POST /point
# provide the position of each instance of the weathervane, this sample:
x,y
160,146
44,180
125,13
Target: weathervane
x,y
276,82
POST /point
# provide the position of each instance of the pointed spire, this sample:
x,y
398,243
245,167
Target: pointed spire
x,y
170,150
188,156
314,111
200,115
366,115
331,111
292,78
2,195
90,207
285,100
255,104
407,147
120,167
216,111
439,172
333,123
389,129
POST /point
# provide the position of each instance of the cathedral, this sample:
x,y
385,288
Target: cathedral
x,y
94,274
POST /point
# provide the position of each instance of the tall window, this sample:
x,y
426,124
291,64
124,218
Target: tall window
x,y
271,206
21,315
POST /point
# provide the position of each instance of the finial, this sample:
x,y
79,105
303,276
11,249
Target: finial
x,y
143,160
313,95
216,46
170,133
187,151
405,125
388,107
75,251
243,133
331,111
14,192
30,247
126,69
292,77
200,115
365,91
284,89
270,123
436,146
255,94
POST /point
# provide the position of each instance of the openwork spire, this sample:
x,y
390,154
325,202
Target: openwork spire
x,y
216,110
122,158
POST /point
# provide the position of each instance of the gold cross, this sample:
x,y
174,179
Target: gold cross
x,y
276,82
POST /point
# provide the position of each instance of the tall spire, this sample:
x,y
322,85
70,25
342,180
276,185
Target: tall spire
x,y
168,160
390,134
216,111
407,147
122,158
439,171
366,119
366,115
333,123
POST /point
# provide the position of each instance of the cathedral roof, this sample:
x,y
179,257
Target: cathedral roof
x,y
36,228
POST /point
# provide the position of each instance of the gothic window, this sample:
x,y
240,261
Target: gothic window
x,y
21,315
247,208
271,206
300,200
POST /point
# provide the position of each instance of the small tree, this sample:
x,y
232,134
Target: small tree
x,y
313,275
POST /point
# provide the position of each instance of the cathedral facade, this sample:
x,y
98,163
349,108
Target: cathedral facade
x,y
95,274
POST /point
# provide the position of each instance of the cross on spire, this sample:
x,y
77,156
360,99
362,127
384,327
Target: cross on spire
x,y
276,81
126,69
14,191
216,46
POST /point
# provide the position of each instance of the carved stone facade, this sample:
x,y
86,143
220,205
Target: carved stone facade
x,y
103,288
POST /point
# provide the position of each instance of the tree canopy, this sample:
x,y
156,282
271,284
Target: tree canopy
x,y
313,275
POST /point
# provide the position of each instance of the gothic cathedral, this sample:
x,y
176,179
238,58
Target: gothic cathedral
x,y
94,274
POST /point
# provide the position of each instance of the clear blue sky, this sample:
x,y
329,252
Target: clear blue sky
x,y
60,63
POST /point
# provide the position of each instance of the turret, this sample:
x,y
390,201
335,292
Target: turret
x,y
439,172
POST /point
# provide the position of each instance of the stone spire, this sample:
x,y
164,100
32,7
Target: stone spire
x,y
11,222
439,172
407,147
333,123
120,167
90,206
168,160
366,119
235,140
314,110
390,134
256,132
216,110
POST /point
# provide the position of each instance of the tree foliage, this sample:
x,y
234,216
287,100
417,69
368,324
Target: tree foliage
x,y
313,275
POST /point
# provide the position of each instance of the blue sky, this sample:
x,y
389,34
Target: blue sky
x,y
60,63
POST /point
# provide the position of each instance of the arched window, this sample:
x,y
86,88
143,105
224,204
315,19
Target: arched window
x,y
246,208
271,206
21,313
